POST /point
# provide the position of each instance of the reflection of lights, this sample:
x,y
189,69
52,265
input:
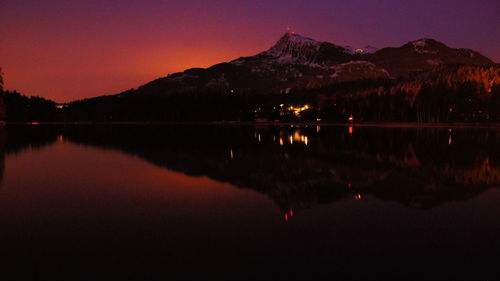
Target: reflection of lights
x,y
357,196
449,140
295,137
259,137
318,128
231,153
351,130
60,138
349,185
288,215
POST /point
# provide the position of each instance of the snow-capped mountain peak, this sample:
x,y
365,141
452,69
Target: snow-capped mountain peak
x,y
294,45
296,49
298,39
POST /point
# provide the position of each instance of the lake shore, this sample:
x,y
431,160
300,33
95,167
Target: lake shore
x,y
278,124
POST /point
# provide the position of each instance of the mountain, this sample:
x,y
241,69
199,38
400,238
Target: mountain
x,y
296,62
334,80
424,54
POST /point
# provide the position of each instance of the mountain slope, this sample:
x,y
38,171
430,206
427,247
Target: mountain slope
x,y
422,55
297,62
415,82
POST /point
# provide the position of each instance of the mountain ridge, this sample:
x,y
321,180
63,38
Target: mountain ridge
x,y
296,61
416,82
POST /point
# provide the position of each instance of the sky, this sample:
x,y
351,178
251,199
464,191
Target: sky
x,y
70,49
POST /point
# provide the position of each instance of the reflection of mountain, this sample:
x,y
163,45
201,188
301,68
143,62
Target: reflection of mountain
x,y
300,167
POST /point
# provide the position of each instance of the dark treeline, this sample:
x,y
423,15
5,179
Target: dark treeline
x,y
2,104
364,100
385,102
465,102
20,108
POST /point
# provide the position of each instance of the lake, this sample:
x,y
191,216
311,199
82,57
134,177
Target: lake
x,y
294,202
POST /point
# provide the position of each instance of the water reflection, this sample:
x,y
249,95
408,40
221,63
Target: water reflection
x,y
302,166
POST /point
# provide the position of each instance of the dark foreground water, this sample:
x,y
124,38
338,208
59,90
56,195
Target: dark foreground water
x,y
249,203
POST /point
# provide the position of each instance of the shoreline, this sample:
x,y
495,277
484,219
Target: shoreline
x,y
274,124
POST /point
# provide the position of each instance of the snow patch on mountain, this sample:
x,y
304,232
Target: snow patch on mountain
x,y
425,46
434,62
419,43
358,69
365,50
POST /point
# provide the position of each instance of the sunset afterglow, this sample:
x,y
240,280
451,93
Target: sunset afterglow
x,y
90,48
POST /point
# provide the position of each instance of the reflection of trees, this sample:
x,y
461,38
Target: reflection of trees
x,y
301,167
19,138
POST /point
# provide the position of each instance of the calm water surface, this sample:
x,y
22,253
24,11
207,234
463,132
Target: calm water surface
x,y
249,203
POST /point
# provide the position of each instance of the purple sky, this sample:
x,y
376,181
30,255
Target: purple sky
x,y
69,49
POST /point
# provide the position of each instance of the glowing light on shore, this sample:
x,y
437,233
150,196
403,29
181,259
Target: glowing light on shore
x,y
297,110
